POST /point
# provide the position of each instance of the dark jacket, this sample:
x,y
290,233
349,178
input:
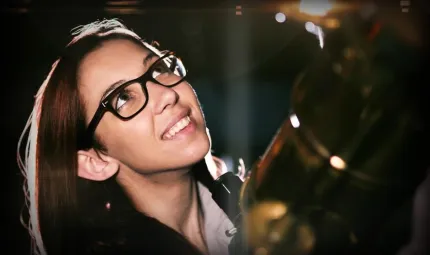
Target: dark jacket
x,y
123,230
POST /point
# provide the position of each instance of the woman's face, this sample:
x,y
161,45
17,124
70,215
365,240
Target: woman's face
x,y
147,143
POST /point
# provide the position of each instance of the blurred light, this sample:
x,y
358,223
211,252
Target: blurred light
x,y
228,162
332,23
211,165
404,4
123,10
320,35
317,8
337,68
353,238
280,17
337,162
310,27
275,236
316,30
241,169
238,10
349,53
261,251
122,3
294,121
307,238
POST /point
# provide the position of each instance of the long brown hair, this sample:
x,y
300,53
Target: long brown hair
x,y
54,192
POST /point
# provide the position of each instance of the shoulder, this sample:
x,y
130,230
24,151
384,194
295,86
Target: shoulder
x,y
420,221
141,235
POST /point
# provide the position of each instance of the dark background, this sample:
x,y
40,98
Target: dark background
x,y
241,66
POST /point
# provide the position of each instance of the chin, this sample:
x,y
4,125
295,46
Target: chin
x,y
195,157
193,154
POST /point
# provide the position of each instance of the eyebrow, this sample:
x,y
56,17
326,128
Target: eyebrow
x,y
113,86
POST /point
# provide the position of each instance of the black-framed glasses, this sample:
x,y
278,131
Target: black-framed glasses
x,y
131,97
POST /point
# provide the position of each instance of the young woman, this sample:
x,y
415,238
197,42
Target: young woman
x,y
116,141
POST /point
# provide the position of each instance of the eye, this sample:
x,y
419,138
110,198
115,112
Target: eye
x,y
121,99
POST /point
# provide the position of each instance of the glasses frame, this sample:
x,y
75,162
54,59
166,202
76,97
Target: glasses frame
x,y
104,105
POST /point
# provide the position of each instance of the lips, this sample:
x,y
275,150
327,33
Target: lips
x,y
173,121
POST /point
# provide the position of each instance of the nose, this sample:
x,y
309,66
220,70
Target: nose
x,y
161,97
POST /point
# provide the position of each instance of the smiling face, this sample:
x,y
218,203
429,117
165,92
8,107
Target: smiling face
x,y
168,134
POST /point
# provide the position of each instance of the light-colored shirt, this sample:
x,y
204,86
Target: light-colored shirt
x,y
420,238
216,223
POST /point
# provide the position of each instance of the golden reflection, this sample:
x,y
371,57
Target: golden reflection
x,y
324,13
258,219
320,8
331,23
337,163
261,251
269,223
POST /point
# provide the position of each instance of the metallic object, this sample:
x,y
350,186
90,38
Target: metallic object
x,y
345,159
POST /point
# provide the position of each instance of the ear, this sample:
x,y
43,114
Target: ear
x,y
92,167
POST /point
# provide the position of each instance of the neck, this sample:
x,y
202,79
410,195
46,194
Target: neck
x,y
171,198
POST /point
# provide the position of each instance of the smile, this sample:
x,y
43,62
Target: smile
x,y
177,128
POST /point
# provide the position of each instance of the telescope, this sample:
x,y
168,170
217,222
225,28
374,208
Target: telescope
x,y
347,158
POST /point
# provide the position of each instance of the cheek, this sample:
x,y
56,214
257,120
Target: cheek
x,y
186,92
189,97
119,134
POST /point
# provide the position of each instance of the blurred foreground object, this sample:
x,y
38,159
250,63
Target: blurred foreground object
x,y
351,152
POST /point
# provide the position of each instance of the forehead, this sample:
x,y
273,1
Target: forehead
x,y
114,60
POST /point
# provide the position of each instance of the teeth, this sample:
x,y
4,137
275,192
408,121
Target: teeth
x,y
178,127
